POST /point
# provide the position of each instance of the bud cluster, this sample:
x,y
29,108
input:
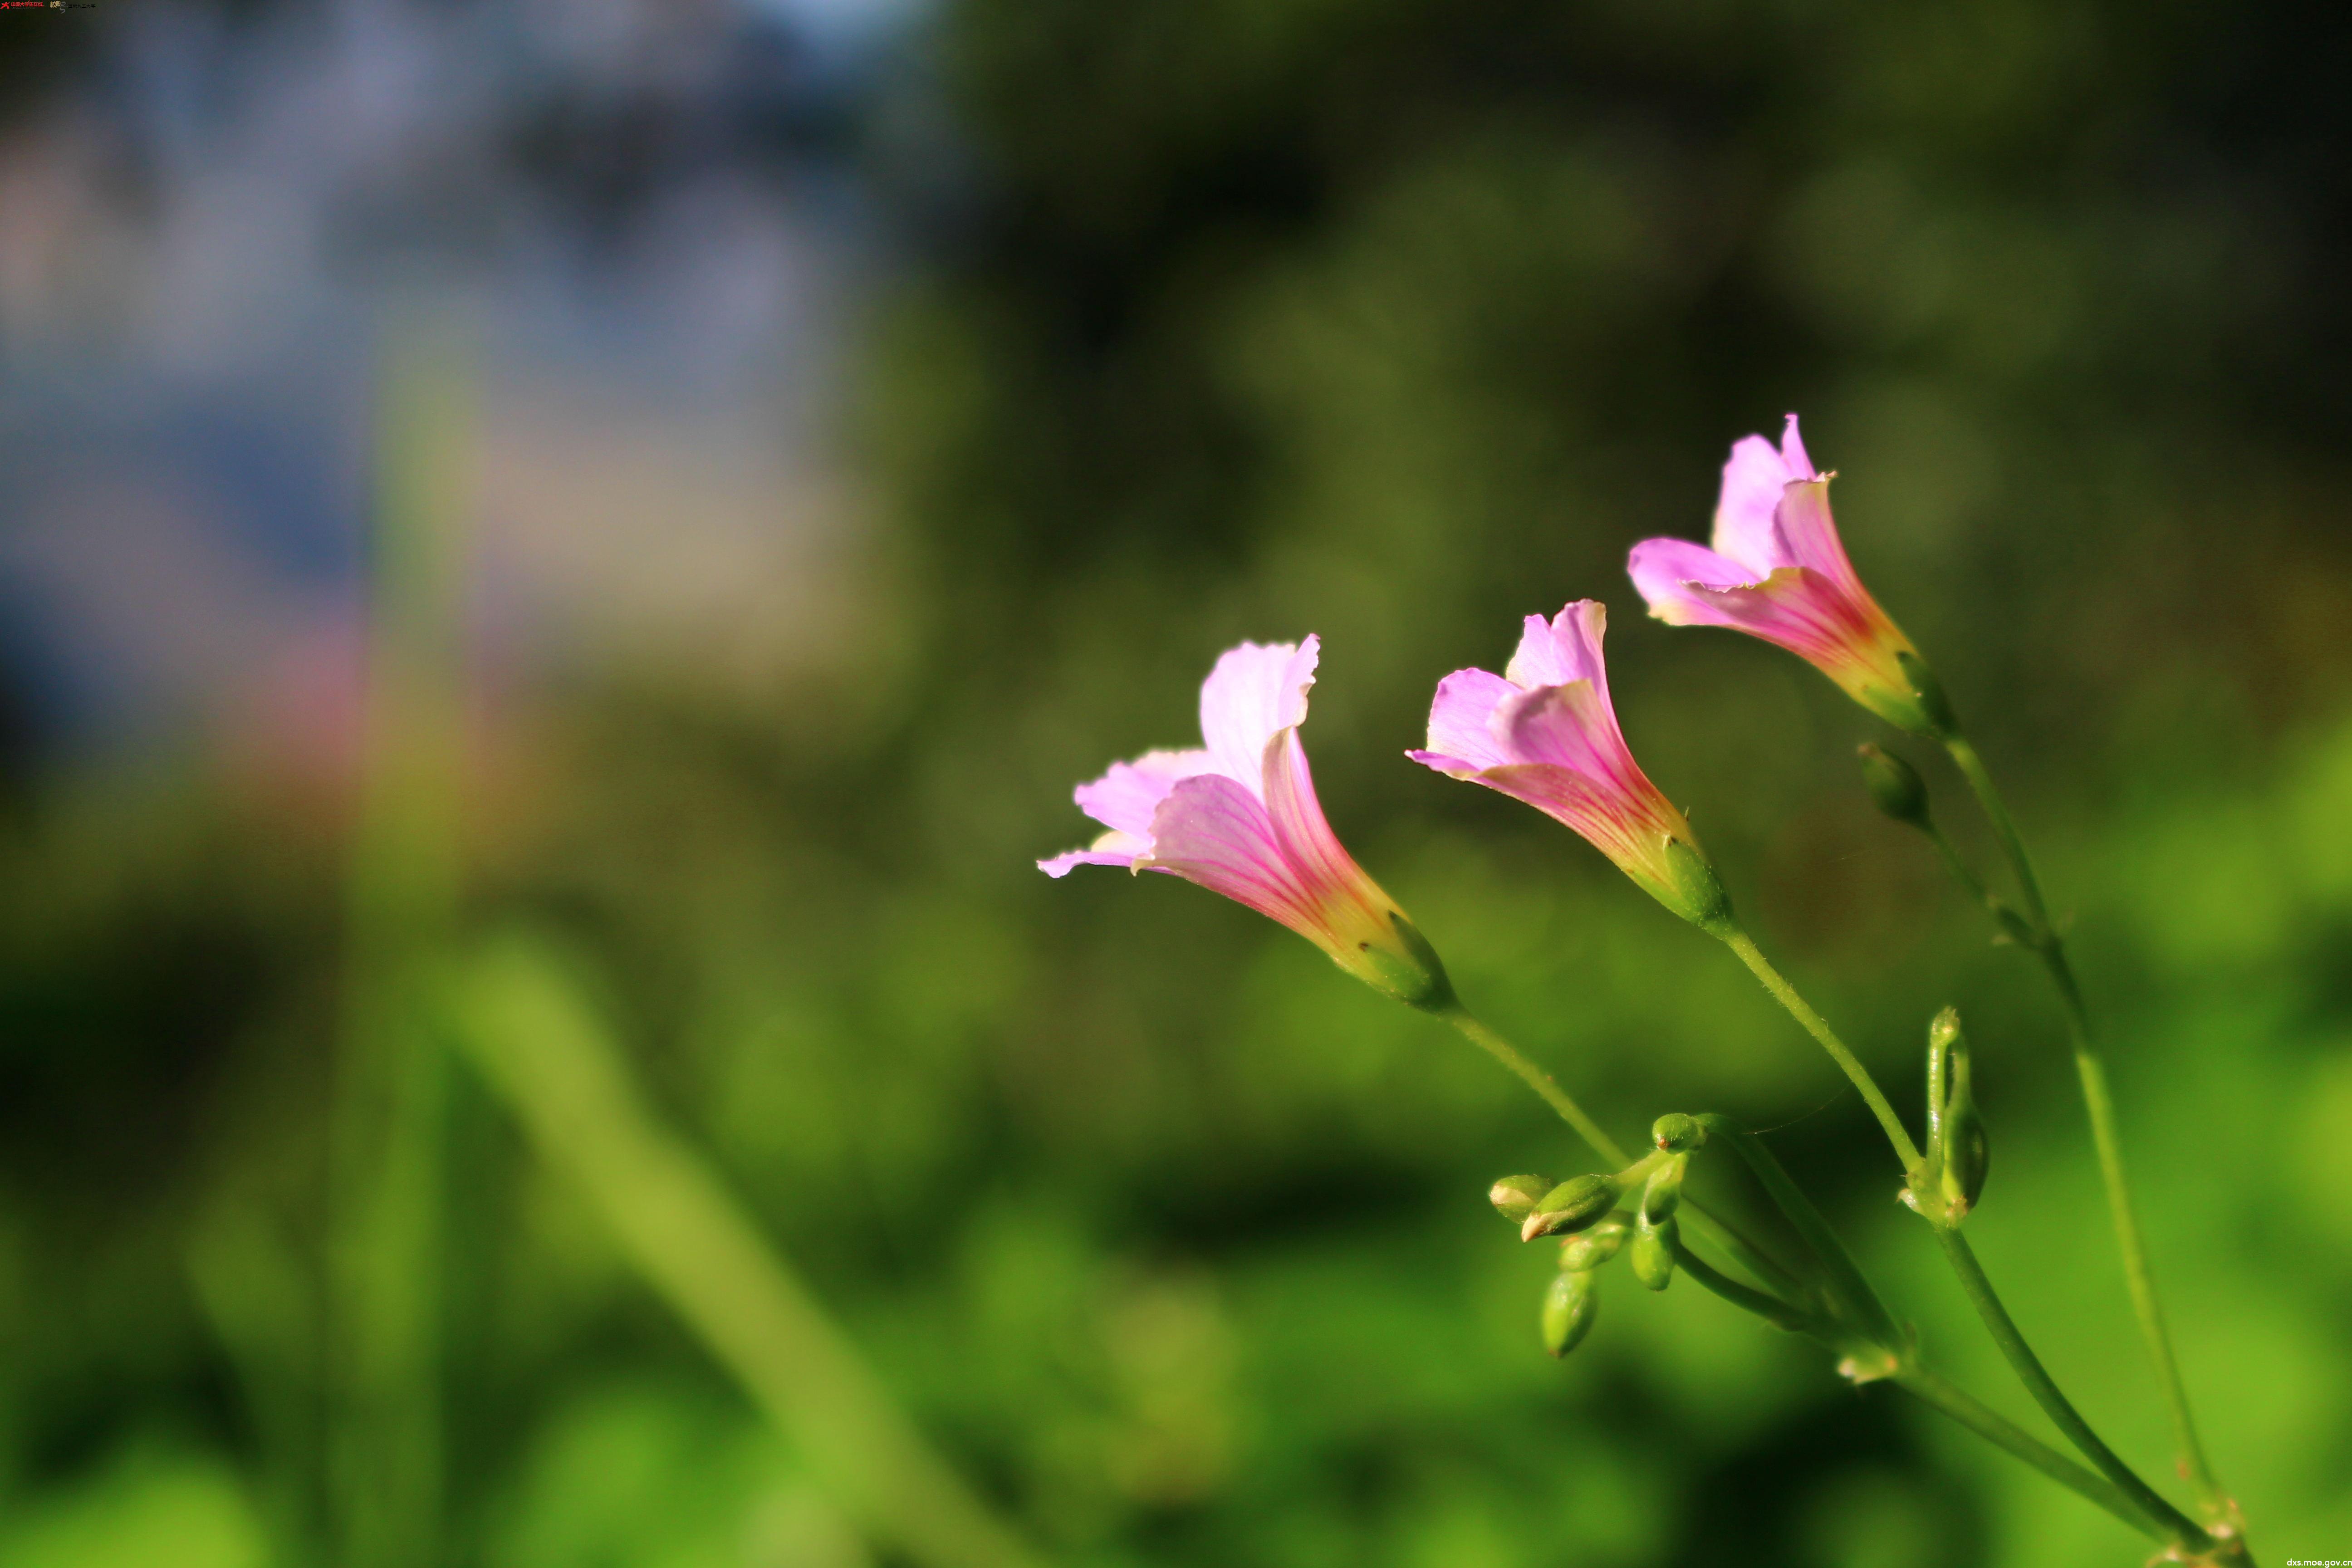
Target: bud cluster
x,y
1584,1212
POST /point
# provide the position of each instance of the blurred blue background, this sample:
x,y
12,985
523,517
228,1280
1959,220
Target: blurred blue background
x,y
818,433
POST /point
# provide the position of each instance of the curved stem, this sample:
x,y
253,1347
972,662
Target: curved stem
x,y
1816,1026
1751,1257
1542,1082
1999,1430
1771,1308
1849,1287
2177,1527
2090,1067
1958,866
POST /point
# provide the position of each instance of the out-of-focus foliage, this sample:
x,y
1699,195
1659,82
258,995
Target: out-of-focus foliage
x,y
1394,320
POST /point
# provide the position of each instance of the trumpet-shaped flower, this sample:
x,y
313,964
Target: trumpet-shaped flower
x,y
1775,569
1544,732
1239,816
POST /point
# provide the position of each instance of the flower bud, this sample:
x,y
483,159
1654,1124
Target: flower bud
x,y
1653,1252
1663,1193
1573,1206
1677,1134
1515,1198
1588,1249
1568,1306
1895,785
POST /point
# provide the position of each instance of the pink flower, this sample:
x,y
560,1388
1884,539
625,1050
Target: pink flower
x,y
1777,571
1544,732
1239,816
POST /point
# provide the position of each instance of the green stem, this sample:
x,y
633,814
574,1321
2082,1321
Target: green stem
x,y
1958,866
2176,1526
1740,942
1861,1305
1751,1257
1997,1429
1771,1308
2090,1067
1542,1082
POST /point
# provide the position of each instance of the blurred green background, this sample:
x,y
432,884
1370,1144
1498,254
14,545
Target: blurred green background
x,y
1109,336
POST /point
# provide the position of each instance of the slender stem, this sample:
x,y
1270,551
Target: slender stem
x,y
1999,1430
1863,1307
1542,1082
1958,866
1751,1257
1816,1026
2177,1527
1771,1308
2090,1067
1863,1303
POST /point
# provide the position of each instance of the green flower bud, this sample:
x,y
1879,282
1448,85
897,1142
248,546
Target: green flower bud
x,y
1677,1134
1588,1249
1895,785
1569,1307
1573,1206
1515,1198
1652,1253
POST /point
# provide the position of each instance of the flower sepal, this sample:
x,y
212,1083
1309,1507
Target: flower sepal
x,y
1694,891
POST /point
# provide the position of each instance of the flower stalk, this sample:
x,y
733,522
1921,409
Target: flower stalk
x,y
2090,1071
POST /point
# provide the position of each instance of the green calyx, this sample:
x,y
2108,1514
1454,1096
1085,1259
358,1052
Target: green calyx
x,y
1694,891
1401,963
1930,710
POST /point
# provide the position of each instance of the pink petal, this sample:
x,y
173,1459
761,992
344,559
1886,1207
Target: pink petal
x,y
1326,873
1793,453
1565,648
1212,831
1744,527
1630,828
1677,577
1805,522
1125,797
1110,849
1457,720
1569,727
1254,690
